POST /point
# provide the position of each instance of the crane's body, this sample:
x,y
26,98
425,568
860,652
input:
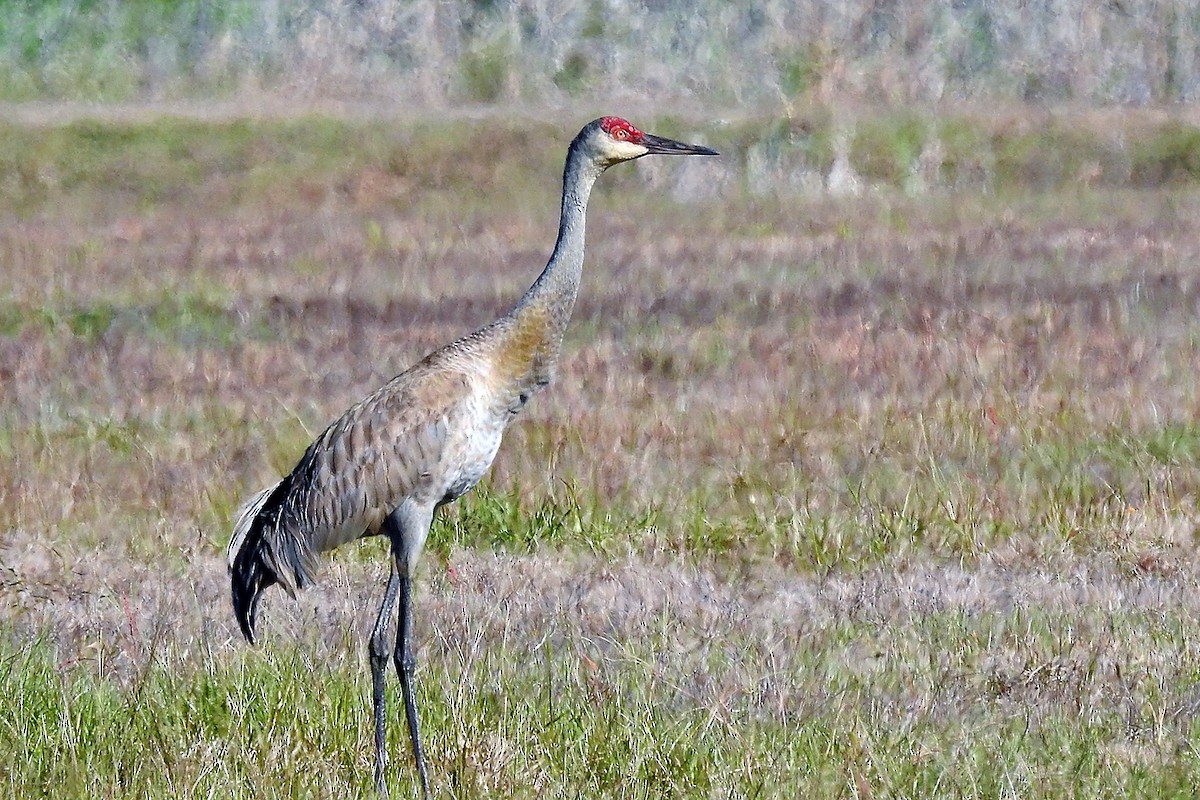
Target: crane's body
x,y
418,442
424,438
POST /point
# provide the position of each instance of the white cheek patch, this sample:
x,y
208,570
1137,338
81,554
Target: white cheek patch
x,y
624,151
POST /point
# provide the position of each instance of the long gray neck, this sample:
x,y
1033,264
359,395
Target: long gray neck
x,y
553,293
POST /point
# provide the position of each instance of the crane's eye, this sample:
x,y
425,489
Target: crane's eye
x,y
620,133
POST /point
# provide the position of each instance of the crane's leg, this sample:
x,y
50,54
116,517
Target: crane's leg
x,y
404,667
379,648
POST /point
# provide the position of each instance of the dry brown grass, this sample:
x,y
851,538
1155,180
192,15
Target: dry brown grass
x,y
764,357
868,437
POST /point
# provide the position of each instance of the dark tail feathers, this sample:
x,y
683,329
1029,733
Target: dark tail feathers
x,y
248,571
267,547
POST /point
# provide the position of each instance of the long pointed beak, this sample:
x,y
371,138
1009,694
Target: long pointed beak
x,y
657,145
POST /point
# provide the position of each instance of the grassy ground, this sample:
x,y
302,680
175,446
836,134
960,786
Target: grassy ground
x,y
877,495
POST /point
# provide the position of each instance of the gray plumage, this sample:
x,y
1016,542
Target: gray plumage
x,y
424,438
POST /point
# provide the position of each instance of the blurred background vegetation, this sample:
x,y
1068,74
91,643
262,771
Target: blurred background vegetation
x,y
489,51
815,96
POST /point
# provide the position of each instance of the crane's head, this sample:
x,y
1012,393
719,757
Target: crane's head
x,y
612,140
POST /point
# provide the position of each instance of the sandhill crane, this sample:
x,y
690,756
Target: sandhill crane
x,y
423,439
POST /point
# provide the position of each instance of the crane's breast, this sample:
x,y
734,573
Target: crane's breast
x,y
470,452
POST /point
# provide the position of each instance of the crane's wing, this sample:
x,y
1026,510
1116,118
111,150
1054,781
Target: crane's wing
x,y
389,448
384,450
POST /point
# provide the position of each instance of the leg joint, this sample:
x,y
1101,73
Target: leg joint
x,y
378,648
405,662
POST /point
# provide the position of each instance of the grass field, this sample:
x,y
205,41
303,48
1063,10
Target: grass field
x,y
888,494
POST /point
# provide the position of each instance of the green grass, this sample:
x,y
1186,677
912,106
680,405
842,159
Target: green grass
x,y
179,320
101,168
501,520
922,711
